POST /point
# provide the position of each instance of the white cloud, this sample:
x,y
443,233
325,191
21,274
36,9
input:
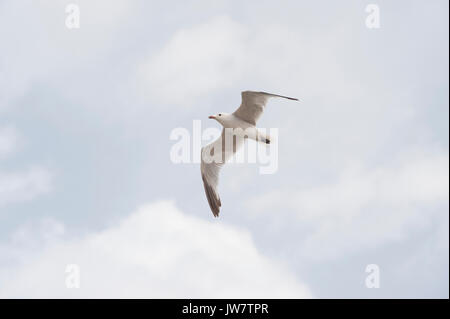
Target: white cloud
x,y
23,186
366,207
361,101
194,62
158,251
421,180
52,53
205,59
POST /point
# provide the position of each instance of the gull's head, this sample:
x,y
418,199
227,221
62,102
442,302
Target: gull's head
x,y
220,117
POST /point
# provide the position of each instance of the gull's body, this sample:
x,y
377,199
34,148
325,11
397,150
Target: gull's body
x,y
244,119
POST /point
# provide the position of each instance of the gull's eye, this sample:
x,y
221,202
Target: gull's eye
x,y
220,114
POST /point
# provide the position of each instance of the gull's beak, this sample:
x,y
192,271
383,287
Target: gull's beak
x,y
211,117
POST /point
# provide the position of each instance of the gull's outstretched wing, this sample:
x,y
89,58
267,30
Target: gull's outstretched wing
x,y
253,104
212,162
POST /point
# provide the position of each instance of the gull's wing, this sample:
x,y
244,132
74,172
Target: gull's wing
x,y
210,167
253,104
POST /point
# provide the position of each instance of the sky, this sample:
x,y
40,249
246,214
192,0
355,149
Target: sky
x,y
87,181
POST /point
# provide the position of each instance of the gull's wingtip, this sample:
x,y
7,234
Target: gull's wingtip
x,y
285,97
290,98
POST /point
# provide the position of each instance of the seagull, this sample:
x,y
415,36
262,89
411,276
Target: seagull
x,y
245,118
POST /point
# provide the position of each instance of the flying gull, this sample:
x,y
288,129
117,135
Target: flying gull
x,y
244,118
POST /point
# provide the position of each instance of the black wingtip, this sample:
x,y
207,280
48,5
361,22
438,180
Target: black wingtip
x,y
287,97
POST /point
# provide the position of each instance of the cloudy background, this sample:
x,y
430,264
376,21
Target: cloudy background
x,y
85,170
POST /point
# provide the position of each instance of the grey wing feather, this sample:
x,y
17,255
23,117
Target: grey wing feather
x,y
210,169
212,196
253,104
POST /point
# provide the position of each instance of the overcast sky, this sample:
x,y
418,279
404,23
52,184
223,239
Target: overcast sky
x,y
86,176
